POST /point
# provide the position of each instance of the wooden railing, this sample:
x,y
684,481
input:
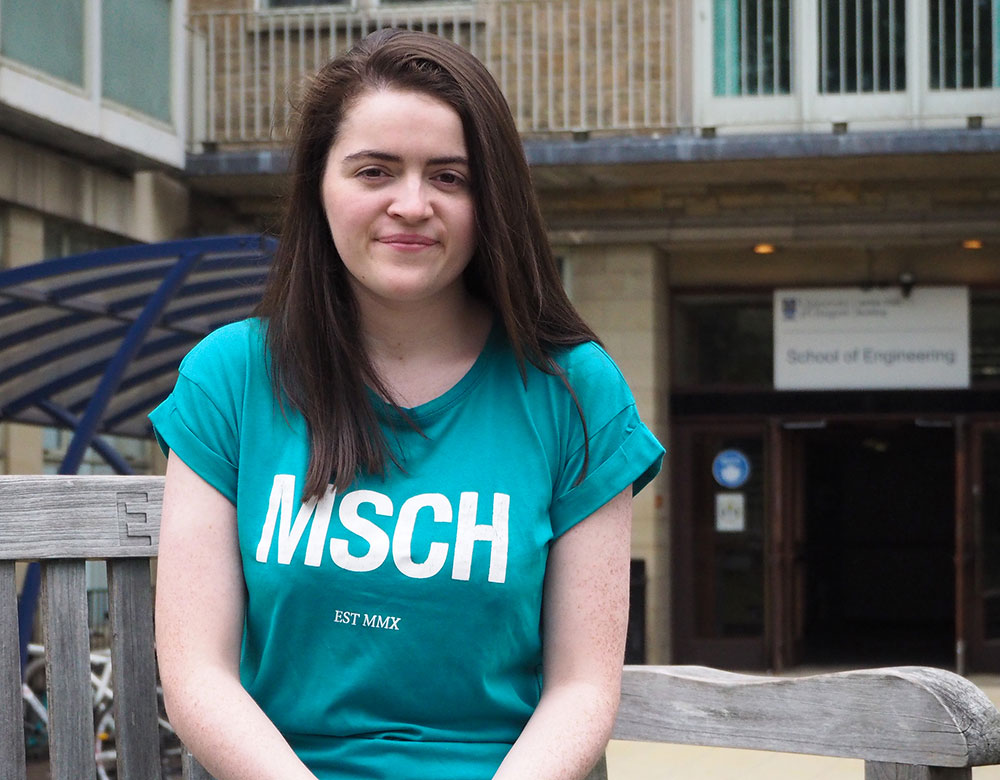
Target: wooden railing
x,y
905,723
564,65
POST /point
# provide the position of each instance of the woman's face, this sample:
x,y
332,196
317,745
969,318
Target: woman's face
x,y
398,199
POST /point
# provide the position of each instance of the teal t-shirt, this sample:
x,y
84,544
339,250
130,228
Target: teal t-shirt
x,y
393,630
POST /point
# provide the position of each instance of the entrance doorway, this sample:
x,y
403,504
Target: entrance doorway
x,y
878,545
841,548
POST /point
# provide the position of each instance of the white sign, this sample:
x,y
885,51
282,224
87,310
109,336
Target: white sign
x,y
730,513
858,339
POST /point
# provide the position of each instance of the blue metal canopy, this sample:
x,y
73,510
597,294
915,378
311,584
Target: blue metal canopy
x,y
92,342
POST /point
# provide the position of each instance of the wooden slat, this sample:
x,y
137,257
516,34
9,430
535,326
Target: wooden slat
x,y
879,771
79,517
11,720
191,769
130,598
906,715
67,670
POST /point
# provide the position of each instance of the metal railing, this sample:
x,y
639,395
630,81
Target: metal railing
x,y
623,66
564,65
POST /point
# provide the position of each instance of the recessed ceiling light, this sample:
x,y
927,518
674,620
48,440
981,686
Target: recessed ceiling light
x,y
972,243
763,249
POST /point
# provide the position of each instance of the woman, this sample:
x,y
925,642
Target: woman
x,y
410,473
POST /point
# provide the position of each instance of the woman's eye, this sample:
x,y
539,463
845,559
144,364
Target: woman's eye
x,y
450,178
370,173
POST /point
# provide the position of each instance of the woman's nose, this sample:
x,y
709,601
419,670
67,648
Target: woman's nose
x,y
410,200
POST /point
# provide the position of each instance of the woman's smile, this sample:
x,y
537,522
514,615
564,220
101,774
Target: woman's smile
x,y
407,241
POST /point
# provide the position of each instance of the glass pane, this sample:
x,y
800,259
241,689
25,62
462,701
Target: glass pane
x,y
729,528
54,46
862,46
723,342
964,43
62,238
991,533
752,47
984,338
135,37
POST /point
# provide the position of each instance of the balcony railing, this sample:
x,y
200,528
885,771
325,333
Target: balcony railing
x,y
631,66
564,65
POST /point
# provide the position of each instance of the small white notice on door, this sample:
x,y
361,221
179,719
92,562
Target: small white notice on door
x,y
730,513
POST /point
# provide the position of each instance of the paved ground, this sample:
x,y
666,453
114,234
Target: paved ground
x,y
644,761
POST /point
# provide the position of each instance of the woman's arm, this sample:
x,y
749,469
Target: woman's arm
x,y
585,617
200,598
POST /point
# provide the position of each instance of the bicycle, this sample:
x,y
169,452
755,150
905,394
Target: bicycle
x,y
33,694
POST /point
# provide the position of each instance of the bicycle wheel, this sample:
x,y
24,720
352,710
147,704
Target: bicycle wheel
x,y
34,698
105,753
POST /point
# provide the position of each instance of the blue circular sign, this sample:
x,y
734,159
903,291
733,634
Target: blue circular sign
x,y
731,468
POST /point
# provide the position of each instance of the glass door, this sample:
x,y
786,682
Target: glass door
x,y
980,570
720,517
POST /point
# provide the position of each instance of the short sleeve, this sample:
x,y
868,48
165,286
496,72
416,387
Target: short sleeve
x,y
199,420
620,451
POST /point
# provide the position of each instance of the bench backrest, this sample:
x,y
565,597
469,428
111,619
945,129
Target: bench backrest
x,y
904,722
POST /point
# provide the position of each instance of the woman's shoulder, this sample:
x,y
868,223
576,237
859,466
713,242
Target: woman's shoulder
x,y
233,347
588,362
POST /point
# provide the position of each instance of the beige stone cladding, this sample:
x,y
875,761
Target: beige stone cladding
x,y
621,292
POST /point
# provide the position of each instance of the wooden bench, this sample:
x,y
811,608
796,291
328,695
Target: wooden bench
x,y
906,723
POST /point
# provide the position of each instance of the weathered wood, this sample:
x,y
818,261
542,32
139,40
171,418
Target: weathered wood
x,y
79,517
909,715
906,723
191,769
11,719
67,670
133,664
875,770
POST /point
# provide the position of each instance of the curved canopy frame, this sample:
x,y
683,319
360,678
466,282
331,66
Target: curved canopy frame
x,y
92,342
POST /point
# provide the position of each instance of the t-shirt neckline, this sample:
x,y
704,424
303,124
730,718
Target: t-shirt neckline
x,y
454,393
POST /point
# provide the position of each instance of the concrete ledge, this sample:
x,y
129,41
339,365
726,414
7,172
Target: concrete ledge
x,y
674,148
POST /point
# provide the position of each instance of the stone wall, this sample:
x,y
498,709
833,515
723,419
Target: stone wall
x,y
621,293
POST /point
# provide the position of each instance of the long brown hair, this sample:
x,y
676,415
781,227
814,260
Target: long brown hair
x,y
318,362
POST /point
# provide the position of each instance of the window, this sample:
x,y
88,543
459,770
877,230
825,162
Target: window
x,y
752,47
723,341
964,44
984,337
136,452
54,46
298,3
62,238
135,43
862,46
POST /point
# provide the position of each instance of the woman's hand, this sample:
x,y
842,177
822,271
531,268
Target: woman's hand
x,y
585,616
200,598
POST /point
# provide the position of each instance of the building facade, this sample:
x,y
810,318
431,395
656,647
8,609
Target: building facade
x,y
744,194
